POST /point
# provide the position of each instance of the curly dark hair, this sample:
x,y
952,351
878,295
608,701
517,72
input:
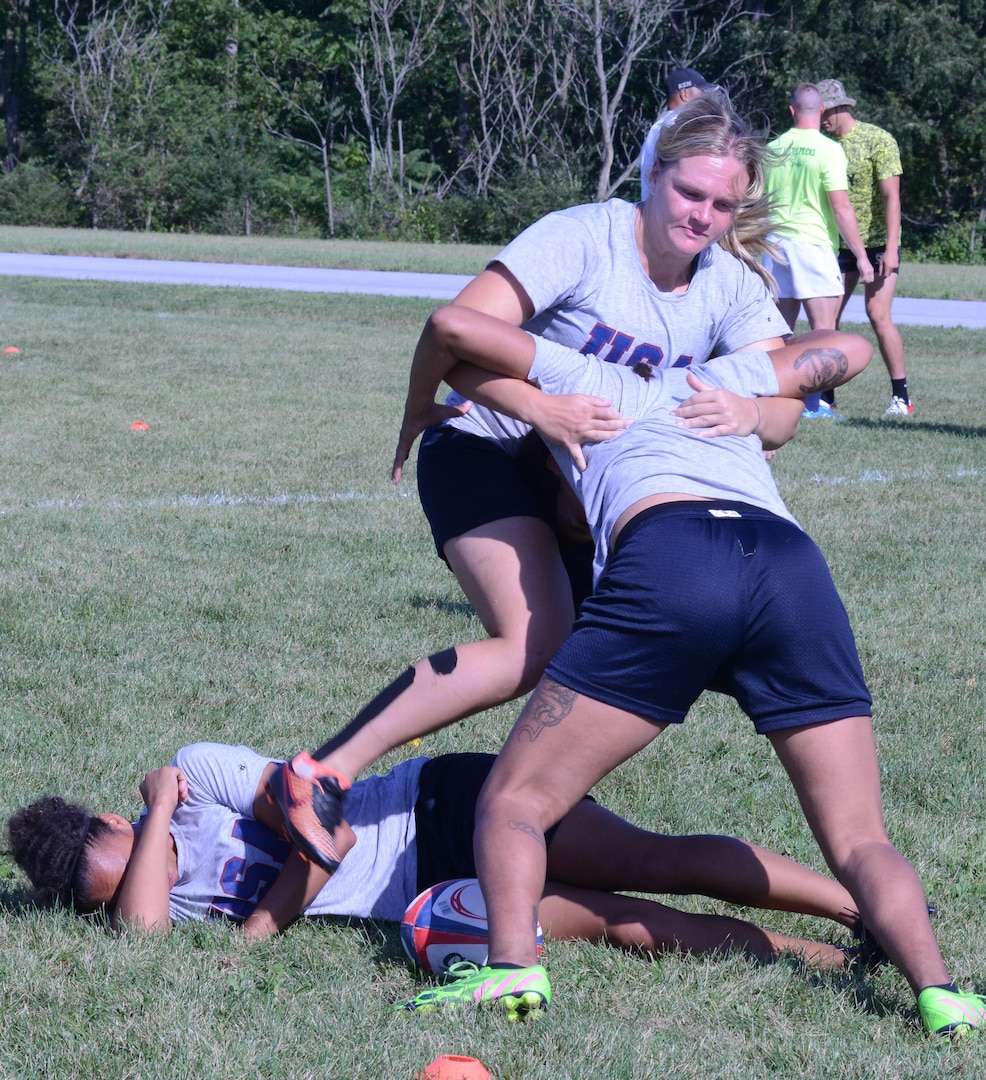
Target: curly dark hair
x,y
51,841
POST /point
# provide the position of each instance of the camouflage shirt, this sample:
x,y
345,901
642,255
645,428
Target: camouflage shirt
x,y
872,155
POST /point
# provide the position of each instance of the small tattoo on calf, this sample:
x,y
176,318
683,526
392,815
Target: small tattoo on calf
x,y
550,704
821,369
527,829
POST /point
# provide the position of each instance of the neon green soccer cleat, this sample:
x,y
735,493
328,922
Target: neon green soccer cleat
x,y
951,1014
517,992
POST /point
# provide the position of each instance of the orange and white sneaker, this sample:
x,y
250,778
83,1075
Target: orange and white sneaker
x,y
309,794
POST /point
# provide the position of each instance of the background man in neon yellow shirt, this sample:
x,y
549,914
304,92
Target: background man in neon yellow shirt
x,y
809,191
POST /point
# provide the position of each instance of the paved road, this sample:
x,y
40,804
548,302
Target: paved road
x,y
965,313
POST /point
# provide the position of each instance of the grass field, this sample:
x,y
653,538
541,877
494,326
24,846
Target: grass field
x,y
936,282
244,571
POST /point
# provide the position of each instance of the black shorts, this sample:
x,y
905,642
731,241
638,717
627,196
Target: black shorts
x,y
466,481
723,596
445,816
847,261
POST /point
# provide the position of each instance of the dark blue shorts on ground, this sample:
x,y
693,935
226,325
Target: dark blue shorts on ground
x,y
445,816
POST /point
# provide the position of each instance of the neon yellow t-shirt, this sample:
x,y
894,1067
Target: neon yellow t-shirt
x,y
798,181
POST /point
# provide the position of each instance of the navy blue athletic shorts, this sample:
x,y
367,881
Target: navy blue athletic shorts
x,y
445,816
723,596
466,481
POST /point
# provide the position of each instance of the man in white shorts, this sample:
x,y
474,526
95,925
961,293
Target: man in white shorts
x,y
809,190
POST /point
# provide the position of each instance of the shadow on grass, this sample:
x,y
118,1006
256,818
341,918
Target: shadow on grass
x,y
382,938
855,982
452,607
894,425
16,900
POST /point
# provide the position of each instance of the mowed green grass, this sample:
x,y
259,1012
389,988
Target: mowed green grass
x,y
245,571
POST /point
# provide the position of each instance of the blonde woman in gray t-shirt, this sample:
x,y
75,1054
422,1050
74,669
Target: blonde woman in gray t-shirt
x,y
671,281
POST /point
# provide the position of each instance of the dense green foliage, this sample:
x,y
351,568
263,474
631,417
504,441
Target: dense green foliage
x,y
424,119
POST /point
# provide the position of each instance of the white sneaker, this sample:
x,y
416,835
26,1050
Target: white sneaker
x,y
900,407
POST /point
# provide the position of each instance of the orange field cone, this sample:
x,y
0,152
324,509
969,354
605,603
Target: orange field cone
x,y
454,1067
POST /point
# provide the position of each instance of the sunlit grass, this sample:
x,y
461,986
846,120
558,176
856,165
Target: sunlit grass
x,y
244,571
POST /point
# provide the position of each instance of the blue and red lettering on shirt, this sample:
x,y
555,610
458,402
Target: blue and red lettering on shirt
x,y
245,881
611,345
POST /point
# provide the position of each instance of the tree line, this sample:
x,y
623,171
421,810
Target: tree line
x,y
442,120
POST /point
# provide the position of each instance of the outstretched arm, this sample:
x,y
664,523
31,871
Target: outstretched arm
x,y
494,293
811,362
455,337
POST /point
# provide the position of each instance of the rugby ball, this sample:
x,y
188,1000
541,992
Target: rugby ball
x,y
447,923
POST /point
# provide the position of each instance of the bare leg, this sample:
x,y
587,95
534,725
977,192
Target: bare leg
x,y
843,807
560,746
879,298
640,925
596,849
511,573
849,283
822,312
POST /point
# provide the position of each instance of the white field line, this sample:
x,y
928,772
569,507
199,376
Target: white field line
x,y
870,476
878,476
217,499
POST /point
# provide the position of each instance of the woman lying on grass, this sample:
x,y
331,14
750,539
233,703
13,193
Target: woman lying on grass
x,y
211,844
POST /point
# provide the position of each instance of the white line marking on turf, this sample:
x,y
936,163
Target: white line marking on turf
x,y
218,499
877,476
222,498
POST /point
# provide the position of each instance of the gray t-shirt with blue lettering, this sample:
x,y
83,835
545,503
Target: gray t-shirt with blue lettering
x,y
582,271
227,859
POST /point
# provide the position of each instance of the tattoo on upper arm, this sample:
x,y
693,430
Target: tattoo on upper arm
x,y
550,704
820,369
527,829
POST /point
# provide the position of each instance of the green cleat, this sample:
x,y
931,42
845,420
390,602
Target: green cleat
x,y
517,992
946,1013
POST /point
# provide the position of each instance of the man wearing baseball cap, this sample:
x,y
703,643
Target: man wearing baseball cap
x,y
680,86
874,170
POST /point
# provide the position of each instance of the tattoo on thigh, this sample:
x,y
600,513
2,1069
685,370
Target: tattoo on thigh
x,y
550,704
820,369
527,829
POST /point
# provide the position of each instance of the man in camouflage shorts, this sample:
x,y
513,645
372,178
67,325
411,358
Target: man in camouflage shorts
x,y
874,169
